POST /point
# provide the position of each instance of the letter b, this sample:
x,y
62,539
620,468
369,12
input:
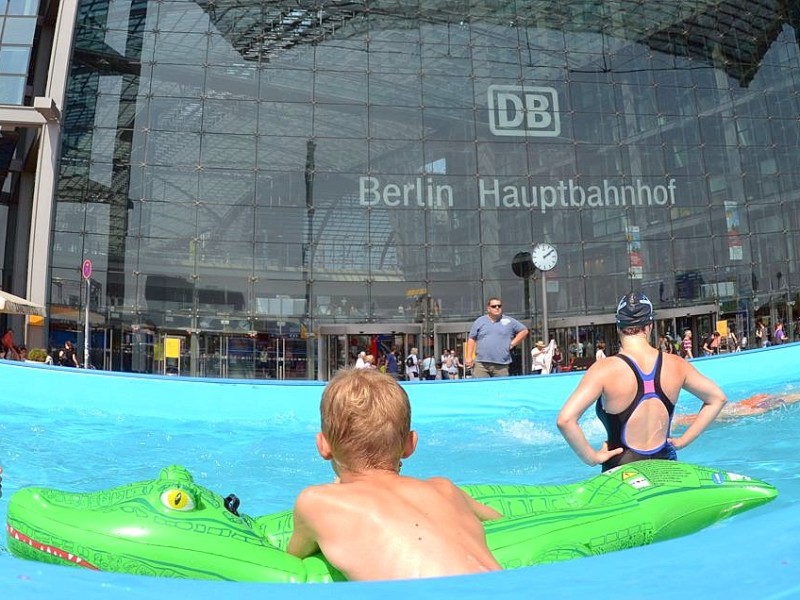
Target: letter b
x,y
538,106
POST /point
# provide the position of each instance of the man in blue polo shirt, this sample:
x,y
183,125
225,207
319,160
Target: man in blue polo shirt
x,y
495,337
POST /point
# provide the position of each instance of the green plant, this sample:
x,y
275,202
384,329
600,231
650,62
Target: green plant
x,y
37,354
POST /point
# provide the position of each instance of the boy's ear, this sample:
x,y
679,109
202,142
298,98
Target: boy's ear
x,y
323,447
411,444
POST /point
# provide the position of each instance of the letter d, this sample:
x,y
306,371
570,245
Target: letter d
x,y
510,111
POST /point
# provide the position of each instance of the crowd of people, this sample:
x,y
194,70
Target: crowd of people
x,y
65,356
414,367
494,338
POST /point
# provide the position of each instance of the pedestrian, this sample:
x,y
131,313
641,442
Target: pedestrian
x,y
391,363
412,365
454,365
733,342
558,359
9,347
429,367
711,344
491,339
600,353
538,356
444,363
575,349
361,362
686,344
67,357
780,334
762,339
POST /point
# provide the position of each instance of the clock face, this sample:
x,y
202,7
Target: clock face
x,y
544,257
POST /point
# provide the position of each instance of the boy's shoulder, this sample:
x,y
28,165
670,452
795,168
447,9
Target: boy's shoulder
x,y
441,484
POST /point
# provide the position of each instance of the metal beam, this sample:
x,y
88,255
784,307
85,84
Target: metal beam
x,y
20,116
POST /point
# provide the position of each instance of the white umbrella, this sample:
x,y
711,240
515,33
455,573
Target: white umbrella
x,y
9,303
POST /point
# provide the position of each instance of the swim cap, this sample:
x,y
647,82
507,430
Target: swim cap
x,y
634,310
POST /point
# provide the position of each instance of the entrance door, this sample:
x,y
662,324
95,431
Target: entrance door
x,y
226,356
341,344
452,336
282,358
240,356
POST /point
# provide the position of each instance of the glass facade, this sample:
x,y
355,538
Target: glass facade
x,y
250,178
17,29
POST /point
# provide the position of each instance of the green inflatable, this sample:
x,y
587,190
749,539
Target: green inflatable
x,y
172,527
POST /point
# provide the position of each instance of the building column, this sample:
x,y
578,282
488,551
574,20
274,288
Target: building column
x,y
46,168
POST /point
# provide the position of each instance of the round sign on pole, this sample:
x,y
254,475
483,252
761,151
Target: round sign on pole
x,y
86,269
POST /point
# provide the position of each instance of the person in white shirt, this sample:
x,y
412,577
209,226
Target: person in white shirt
x,y
601,351
445,363
542,357
454,365
538,354
360,362
429,368
412,365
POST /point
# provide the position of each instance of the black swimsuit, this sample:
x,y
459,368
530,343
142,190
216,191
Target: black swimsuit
x,y
648,386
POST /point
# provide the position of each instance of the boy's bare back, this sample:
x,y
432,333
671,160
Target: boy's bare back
x,y
374,523
385,526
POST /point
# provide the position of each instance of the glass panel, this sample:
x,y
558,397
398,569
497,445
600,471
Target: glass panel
x,y
12,89
290,119
19,30
226,187
22,7
14,60
338,121
277,153
167,220
180,49
170,148
226,150
229,116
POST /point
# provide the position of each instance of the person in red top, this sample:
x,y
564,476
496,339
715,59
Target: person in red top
x,y
9,347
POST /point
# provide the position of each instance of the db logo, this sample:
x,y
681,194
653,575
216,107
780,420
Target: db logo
x,y
522,110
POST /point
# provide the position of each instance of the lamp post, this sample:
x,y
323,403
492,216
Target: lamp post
x,y
308,258
545,258
522,265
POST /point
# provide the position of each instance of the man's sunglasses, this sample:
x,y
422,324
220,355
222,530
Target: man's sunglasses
x,y
495,306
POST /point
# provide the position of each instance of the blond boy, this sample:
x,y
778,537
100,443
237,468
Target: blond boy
x,y
372,522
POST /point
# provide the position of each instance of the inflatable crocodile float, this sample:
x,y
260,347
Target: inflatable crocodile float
x,y
172,527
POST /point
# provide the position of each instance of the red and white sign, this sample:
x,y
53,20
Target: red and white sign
x,y
86,269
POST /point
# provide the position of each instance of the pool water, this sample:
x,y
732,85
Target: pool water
x,y
86,431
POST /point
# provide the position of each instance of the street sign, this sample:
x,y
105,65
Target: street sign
x,y
86,269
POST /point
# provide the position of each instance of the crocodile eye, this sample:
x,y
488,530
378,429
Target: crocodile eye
x,y
177,499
